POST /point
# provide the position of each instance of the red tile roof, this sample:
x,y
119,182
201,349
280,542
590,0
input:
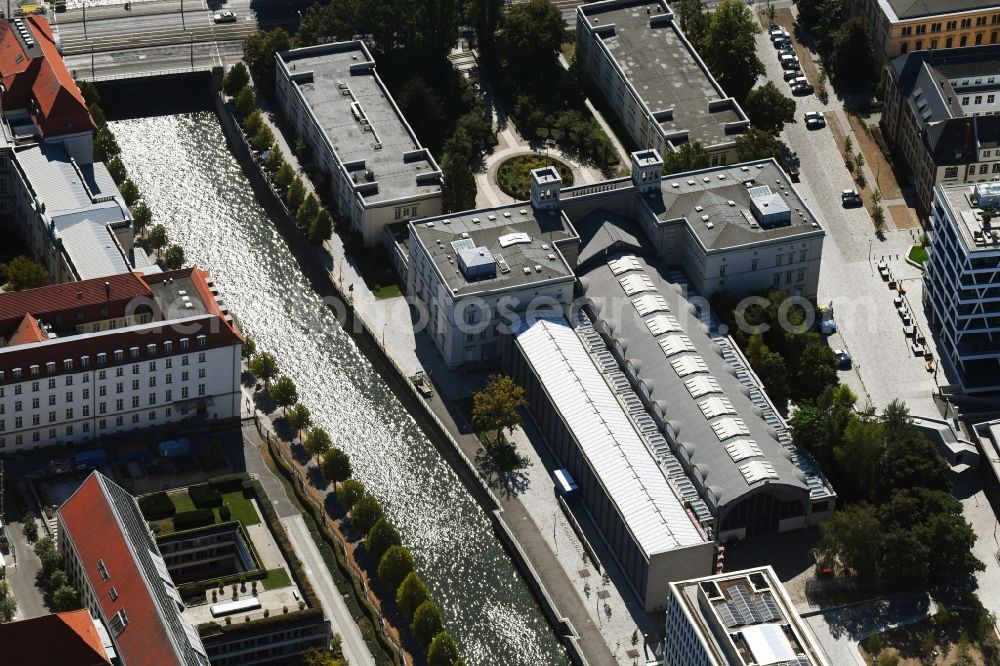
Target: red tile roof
x,y
41,83
27,332
95,534
67,639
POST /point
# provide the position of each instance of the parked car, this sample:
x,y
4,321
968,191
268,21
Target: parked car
x,y
224,17
803,89
789,62
850,198
776,30
792,74
779,40
814,120
843,359
786,50
798,80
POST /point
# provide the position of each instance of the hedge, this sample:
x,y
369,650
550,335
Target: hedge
x,y
156,506
189,519
204,496
228,483
197,589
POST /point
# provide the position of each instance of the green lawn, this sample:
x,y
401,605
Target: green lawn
x,y
918,254
240,508
276,579
376,271
182,501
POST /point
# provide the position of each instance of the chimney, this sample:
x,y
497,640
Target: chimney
x,y
107,289
79,294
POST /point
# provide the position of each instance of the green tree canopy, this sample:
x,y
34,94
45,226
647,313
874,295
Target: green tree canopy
x,y
236,78
318,442
116,168
443,651
158,238
284,175
299,418
296,193
336,466
350,492
258,52
381,537
105,145
142,216
851,59
425,111
811,432
458,192
22,273
496,406
29,525
773,374
395,565
253,121
65,599
851,540
531,34
284,393
365,513
689,157
817,369
322,226
730,50
89,92
249,347
57,579
265,368
485,17
427,623
275,158
756,144
173,258
307,210
8,604
769,109
263,138
97,113
130,192
694,20
411,593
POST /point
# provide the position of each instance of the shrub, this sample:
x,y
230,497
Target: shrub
x,y
382,536
365,514
229,483
224,513
156,506
427,623
443,651
395,566
412,593
204,496
187,520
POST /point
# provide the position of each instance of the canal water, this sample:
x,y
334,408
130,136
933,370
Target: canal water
x,y
197,190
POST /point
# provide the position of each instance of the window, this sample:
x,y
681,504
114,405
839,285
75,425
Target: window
x,y
152,382
86,411
69,429
788,277
753,265
972,170
951,25
996,168
102,569
113,593
119,372
36,436
184,392
170,363
34,403
152,366
184,376
919,45
119,405
52,383
135,418
990,98
135,402
120,387
135,384
921,29
201,357
933,44
170,379
69,380
34,387
967,23
984,168
801,275
119,354
201,389
35,419
52,400
52,417
963,40
152,415
169,396
102,390
185,360
185,343
778,260
948,42
17,406
979,38
135,369
152,399
906,31
18,422
17,390
979,99
201,340
119,420
777,279
722,271
118,622
201,373
935,27
102,374
102,408
69,413
802,255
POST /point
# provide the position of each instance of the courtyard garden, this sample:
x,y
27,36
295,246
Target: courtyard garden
x,y
514,175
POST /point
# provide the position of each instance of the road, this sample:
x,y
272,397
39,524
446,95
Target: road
x,y
136,62
331,600
22,567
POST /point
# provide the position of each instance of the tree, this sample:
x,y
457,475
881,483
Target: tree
x,y
858,457
236,79
395,565
365,513
322,226
336,466
89,92
768,109
65,599
318,442
411,593
284,175
284,393
817,369
851,60
105,145
142,216
299,418
443,651
45,549
531,35
258,53
296,193
811,432
458,192
246,102
852,540
427,623
116,168
320,657
97,113
249,348
773,374
253,122
485,17
756,144
425,111
350,492
130,192
22,273
730,50
265,368
263,139
495,406
57,579
173,257
382,536
8,604
275,159
689,157
694,21
307,210
158,238
30,527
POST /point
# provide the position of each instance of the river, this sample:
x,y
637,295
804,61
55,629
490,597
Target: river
x,y
197,190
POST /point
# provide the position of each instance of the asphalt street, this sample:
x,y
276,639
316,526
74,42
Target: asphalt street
x,y
22,567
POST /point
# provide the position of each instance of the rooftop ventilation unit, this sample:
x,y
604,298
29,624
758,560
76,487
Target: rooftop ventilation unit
x,y
502,263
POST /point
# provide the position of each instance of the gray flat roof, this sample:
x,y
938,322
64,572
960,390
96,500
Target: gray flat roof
x,y
484,228
664,69
911,9
713,189
958,199
395,168
83,203
175,296
697,430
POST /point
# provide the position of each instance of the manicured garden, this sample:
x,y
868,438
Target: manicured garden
x,y
918,254
514,175
198,506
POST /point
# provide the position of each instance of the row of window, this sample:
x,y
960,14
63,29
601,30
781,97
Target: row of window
x,y
102,359
952,172
102,408
904,47
119,372
978,100
921,29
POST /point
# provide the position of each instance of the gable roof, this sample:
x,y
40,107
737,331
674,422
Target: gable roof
x,y
36,78
68,639
27,331
101,521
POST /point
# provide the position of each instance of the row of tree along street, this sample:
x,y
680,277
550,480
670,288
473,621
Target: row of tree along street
x,y
378,538
898,523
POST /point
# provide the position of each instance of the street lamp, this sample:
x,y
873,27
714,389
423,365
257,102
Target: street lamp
x,y
384,324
